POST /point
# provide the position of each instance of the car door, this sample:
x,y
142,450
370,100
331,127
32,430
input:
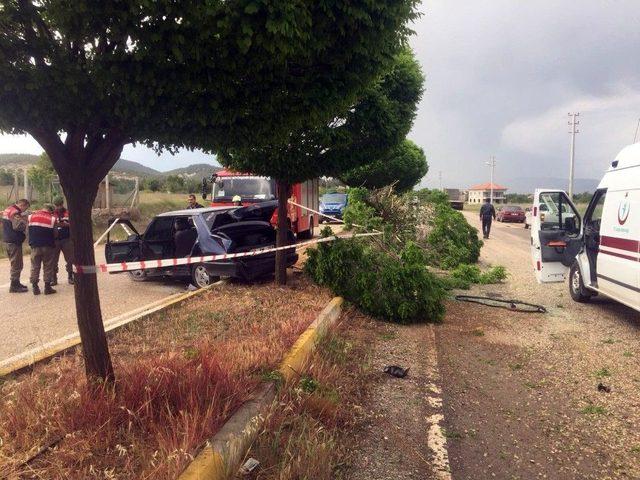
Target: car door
x,y
117,251
157,241
556,236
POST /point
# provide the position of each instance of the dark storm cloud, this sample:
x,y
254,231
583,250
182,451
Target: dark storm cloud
x,y
502,75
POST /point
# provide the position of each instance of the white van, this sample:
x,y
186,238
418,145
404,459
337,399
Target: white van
x,y
600,251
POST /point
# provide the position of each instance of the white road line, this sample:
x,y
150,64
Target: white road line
x,y
436,439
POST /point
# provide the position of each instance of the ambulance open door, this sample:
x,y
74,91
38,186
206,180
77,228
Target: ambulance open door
x,y
556,235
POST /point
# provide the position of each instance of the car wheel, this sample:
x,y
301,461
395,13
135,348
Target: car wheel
x,y
576,286
138,275
201,278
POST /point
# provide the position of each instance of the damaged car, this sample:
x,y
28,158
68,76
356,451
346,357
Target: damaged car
x,y
203,231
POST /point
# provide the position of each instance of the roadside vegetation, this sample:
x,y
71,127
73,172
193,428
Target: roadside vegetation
x,y
308,431
181,374
392,276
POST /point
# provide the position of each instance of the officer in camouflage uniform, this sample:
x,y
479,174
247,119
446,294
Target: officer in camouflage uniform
x,y
43,248
63,240
14,225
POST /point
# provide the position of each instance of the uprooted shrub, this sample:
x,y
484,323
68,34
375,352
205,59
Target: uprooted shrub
x,y
397,288
451,241
426,219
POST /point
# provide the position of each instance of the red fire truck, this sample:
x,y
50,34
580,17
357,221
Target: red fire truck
x,y
227,186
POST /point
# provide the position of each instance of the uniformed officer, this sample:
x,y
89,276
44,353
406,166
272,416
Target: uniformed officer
x,y
487,214
63,240
43,248
14,225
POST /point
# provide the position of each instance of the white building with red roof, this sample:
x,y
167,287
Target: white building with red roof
x,y
482,193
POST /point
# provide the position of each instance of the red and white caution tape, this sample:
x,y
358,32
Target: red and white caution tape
x,y
174,262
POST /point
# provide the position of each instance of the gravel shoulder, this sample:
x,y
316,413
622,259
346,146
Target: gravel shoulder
x,y
521,395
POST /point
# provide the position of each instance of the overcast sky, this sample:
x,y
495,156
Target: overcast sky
x,y
501,77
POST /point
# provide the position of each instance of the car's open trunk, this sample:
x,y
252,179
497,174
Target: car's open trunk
x,y
248,235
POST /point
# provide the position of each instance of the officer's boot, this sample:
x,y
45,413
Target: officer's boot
x,y
55,280
47,289
71,279
35,288
17,287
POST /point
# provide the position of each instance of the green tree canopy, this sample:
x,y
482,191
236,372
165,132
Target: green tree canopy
x,y
404,166
378,120
85,78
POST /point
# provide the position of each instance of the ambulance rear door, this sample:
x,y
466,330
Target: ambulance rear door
x,y
556,236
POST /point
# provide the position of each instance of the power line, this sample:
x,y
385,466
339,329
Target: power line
x,y
573,123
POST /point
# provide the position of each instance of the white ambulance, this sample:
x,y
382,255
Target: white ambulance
x,y
600,251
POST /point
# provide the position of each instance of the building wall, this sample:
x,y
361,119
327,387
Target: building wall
x,y
480,196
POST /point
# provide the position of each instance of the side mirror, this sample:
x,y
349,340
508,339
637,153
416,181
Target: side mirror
x,y
205,187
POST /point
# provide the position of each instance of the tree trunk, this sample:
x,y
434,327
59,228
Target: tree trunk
x,y
97,361
282,234
82,161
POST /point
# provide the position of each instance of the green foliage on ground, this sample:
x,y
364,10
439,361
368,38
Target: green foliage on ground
x,y
451,241
397,288
465,275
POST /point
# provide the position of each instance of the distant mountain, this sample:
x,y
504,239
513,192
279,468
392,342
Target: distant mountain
x,y
196,170
529,184
127,166
18,160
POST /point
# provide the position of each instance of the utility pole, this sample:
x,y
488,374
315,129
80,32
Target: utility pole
x,y
573,123
635,137
440,179
492,164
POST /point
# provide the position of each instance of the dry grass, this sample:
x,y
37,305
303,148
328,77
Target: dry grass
x,y
310,425
181,374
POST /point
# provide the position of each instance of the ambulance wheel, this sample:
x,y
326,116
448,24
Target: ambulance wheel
x,y
576,286
138,275
201,278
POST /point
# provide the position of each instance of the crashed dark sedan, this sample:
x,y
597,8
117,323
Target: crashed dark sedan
x,y
204,231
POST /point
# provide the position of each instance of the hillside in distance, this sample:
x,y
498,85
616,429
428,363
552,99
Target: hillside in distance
x,y
198,170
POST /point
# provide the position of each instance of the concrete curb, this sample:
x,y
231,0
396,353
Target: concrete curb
x,y
221,456
31,357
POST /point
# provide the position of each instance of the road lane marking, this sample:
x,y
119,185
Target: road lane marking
x,y
436,439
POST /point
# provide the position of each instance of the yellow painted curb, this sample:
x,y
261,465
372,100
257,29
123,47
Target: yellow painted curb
x,y
51,349
295,360
220,458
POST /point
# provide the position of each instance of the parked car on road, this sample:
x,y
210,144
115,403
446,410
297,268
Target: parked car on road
x,y
510,213
332,204
203,231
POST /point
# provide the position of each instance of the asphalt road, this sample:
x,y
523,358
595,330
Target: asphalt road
x,y
29,321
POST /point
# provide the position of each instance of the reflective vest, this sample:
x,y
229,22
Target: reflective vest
x,y
9,235
62,217
41,225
